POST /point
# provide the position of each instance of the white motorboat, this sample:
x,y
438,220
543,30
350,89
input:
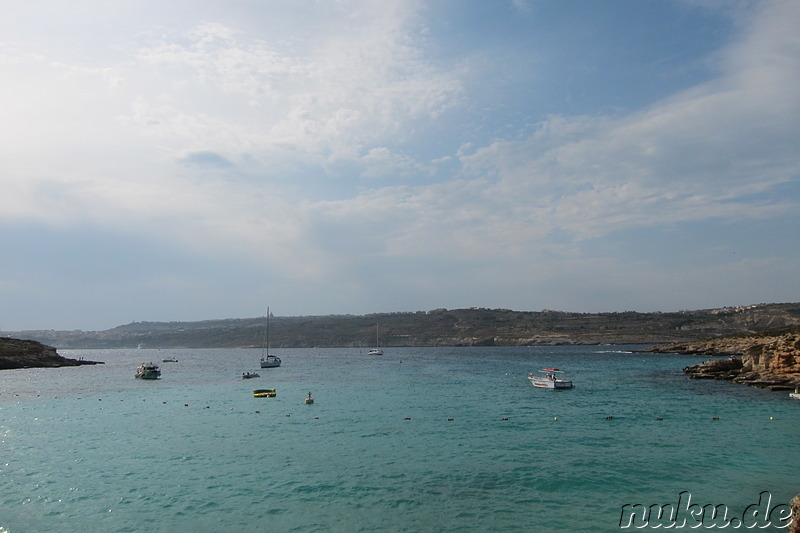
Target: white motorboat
x,y
550,378
148,371
795,394
268,360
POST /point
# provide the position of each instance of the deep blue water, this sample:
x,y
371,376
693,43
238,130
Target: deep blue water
x,y
417,440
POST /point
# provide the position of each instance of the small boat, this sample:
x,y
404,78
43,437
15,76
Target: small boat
x,y
550,378
264,393
250,375
376,350
795,394
148,371
169,360
268,360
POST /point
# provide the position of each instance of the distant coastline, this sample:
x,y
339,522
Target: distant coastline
x,y
438,327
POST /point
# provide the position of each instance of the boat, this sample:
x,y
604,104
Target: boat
x,y
550,378
264,393
250,375
169,360
795,394
268,360
148,371
376,350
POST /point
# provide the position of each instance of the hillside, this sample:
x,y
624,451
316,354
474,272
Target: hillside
x,y
440,327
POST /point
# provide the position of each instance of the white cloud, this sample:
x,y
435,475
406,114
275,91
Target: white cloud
x,y
700,155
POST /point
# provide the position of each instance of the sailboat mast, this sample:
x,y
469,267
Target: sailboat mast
x,y
265,336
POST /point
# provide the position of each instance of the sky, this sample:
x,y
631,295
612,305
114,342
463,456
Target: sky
x,y
202,159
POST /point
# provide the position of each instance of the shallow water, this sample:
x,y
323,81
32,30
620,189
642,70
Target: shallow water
x,y
432,439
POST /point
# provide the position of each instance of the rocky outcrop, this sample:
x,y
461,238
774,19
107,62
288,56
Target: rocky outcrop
x,y
17,353
769,361
795,505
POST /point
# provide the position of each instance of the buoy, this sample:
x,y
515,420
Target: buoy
x,y
772,418
257,412
609,417
450,419
714,418
408,418
288,415
316,418
659,418
186,405
555,418
504,419
309,399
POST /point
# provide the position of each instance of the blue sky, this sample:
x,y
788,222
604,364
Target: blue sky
x,y
192,160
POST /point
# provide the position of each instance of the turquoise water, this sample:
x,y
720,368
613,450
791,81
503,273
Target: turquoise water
x,y
418,440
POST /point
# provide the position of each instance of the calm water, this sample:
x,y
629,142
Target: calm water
x,y
418,440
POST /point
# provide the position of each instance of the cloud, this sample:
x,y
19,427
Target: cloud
x,y
207,158
705,153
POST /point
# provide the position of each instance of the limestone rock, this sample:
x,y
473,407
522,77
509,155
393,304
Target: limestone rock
x,y
18,353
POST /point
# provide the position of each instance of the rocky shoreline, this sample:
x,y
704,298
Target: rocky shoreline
x,y
18,353
767,361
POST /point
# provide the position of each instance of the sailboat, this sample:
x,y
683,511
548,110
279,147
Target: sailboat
x,y
376,350
268,360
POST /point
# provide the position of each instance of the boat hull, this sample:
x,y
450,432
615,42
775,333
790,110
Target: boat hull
x,y
270,362
549,384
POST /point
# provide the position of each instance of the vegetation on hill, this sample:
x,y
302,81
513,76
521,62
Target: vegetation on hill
x,y
440,327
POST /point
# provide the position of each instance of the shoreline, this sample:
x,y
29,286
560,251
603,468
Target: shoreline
x,y
766,361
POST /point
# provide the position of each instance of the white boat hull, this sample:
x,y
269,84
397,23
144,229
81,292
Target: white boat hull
x,y
795,395
550,384
270,362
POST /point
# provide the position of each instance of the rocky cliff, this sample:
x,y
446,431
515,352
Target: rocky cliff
x,y
770,361
16,353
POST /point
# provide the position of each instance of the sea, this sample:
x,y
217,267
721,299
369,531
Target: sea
x,y
416,440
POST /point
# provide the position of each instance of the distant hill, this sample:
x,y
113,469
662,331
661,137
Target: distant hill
x,y
440,327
